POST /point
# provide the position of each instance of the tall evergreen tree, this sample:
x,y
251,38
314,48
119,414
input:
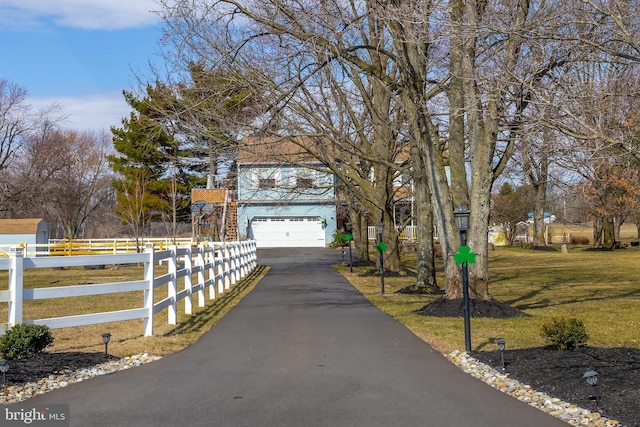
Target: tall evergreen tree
x,y
153,180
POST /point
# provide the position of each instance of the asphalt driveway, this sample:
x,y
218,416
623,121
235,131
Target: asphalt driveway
x,y
304,348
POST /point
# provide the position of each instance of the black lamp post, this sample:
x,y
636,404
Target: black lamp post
x,y
501,347
106,337
461,215
592,379
349,229
4,367
380,229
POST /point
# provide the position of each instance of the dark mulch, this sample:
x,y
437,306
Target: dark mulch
x,y
544,248
559,374
41,366
420,290
477,308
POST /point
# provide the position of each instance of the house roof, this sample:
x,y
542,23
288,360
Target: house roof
x,y
255,149
20,226
214,195
259,149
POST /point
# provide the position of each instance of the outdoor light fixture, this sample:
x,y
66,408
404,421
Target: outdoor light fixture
x,y
380,229
461,215
106,337
592,379
4,367
501,347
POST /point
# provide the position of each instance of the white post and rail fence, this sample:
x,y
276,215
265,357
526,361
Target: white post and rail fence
x,y
215,267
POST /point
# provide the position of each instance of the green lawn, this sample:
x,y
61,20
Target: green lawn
x,y
600,288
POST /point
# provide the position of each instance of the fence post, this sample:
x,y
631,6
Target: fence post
x,y
16,275
243,259
149,276
226,265
172,287
212,254
235,267
222,272
254,254
188,281
201,277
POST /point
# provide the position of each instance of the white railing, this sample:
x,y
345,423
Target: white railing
x,y
408,233
215,265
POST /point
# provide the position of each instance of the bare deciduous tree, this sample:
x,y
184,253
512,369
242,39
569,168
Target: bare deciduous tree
x,y
63,176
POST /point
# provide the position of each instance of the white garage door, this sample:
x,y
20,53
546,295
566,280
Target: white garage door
x,y
287,232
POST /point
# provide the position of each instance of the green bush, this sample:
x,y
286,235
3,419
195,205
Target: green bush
x,y
338,239
25,341
564,334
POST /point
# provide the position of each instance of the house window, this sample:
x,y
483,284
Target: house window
x,y
304,182
265,179
266,183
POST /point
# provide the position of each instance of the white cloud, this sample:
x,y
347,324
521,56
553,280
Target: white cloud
x,y
92,113
84,14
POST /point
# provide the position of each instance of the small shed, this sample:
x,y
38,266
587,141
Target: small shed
x,y
29,231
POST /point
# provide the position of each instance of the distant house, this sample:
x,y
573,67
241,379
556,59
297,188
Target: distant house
x,y
282,200
27,231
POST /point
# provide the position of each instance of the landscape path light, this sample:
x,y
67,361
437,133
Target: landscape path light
x,y
501,347
592,379
464,257
349,229
381,247
4,367
106,337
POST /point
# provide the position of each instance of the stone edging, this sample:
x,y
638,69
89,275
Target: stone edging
x,y
567,412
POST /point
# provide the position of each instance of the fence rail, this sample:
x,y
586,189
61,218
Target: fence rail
x,y
217,267
57,247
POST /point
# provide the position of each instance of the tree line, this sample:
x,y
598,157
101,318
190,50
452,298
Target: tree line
x,y
457,94
461,96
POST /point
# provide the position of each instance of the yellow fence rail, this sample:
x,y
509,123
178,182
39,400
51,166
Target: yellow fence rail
x,y
72,247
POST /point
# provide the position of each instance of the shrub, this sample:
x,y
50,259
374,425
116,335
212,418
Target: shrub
x,y
579,240
25,341
564,334
338,239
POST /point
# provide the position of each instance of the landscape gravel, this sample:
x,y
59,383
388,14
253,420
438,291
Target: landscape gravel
x,y
64,377
567,412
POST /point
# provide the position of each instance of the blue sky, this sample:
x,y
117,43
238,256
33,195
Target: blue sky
x,y
79,54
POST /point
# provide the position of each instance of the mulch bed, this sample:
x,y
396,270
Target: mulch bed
x,y
559,373
477,308
41,366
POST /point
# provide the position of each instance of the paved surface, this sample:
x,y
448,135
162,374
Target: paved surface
x,y
304,348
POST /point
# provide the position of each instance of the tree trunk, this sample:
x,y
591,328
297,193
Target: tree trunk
x,y
391,257
426,270
360,238
597,231
539,227
608,233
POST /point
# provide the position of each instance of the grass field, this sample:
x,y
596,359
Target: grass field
x,y
600,288
126,336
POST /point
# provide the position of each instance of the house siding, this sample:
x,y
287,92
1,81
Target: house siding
x,y
285,200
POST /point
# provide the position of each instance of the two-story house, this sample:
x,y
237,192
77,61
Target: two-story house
x,y
284,199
